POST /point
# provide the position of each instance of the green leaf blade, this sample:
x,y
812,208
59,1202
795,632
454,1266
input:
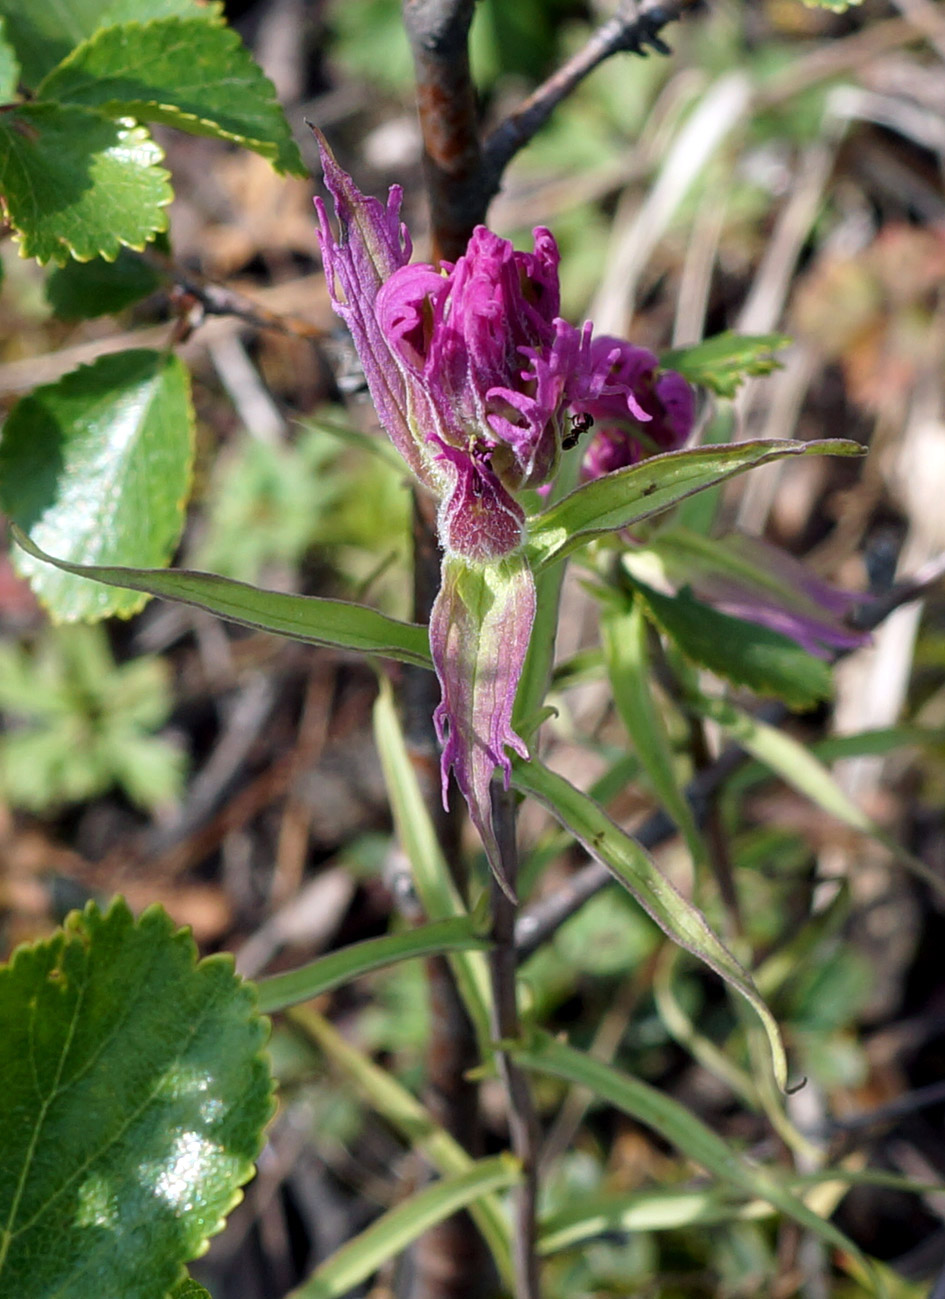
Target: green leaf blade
x,y
397,1228
308,618
678,1125
135,1094
722,363
456,934
632,867
9,66
96,467
77,184
742,652
623,634
43,34
183,72
628,496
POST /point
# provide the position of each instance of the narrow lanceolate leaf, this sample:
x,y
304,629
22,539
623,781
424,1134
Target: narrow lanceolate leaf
x,y
678,1125
722,363
96,468
431,874
332,623
628,496
744,653
184,72
135,1092
415,1124
75,183
457,934
399,1227
624,634
632,867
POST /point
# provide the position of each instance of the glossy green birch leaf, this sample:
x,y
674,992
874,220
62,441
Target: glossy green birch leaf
x,y
803,771
182,72
399,1227
431,875
724,362
9,67
457,934
308,618
188,1289
744,653
43,34
678,1125
415,1124
135,1092
83,290
628,496
624,637
77,184
633,867
96,468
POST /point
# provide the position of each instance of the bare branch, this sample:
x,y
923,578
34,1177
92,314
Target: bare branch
x,y
634,28
438,31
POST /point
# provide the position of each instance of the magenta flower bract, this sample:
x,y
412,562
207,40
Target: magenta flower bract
x,y
475,378
619,438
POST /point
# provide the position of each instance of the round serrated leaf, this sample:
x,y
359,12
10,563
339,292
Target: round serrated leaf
x,y
134,1096
43,34
76,183
96,469
185,72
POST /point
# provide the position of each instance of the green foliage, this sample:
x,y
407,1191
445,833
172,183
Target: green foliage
x,y
632,867
134,1098
738,651
301,617
9,67
184,72
77,723
97,467
629,496
82,290
78,177
75,183
724,362
188,1289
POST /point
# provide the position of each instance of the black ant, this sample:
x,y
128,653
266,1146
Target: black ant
x,y
580,423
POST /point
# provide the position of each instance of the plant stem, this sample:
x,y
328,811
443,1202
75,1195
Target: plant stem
x,y
438,31
523,1122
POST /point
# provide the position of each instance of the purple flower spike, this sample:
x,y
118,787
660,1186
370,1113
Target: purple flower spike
x,y
372,244
665,402
474,376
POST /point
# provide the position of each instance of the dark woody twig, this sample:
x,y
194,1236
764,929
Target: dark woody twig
x,y
635,26
438,31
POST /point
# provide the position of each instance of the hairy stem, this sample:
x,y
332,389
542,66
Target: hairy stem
x,y
523,1122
